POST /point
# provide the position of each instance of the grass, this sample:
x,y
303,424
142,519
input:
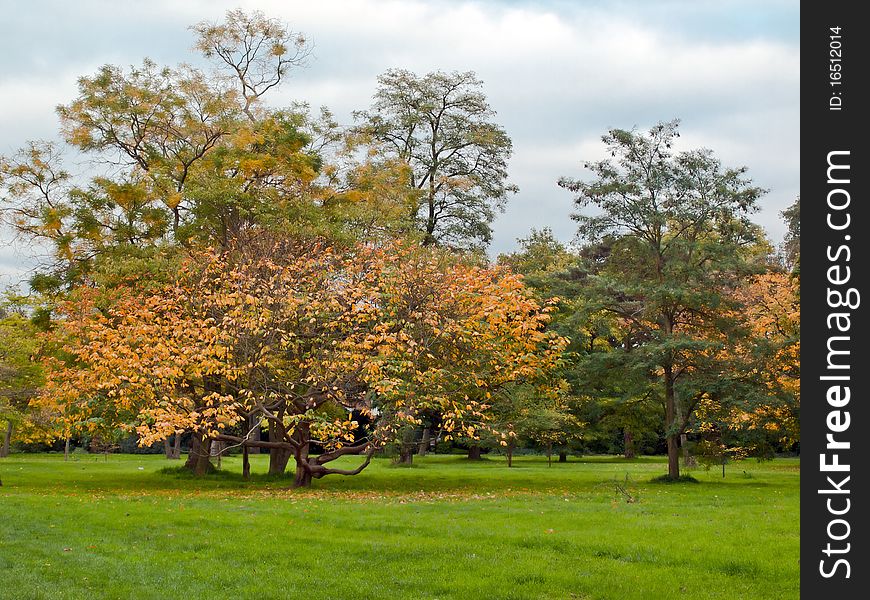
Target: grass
x,y
449,528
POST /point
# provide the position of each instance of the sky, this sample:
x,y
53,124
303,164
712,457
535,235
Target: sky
x,y
558,73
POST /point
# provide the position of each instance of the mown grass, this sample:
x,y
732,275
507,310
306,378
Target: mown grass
x,y
446,528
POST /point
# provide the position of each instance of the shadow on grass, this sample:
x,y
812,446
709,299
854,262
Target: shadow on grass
x,y
670,480
183,473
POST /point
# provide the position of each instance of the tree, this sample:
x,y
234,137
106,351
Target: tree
x,y
533,415
682,242
792,242
440,126
255,51
766,415
305,336
20,370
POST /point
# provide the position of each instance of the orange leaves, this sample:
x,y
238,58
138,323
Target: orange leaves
x,y
308,331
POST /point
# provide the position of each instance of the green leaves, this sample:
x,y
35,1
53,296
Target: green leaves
x,y
440,125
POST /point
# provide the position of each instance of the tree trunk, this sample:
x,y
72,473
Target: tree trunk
x,y
198,459
671,425
303,476
302,435
167,449
278,457
628,438
406,454
176,447
7,440
254,427
474,452
407,447
510,456
66,450
217,450
424,443
549,455
563,456
246,464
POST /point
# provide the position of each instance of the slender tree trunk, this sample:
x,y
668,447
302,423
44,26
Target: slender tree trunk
x,y
424,442
563,456
176,447
246,463
172,449
671,425
549,455
510,455
66,450
7,440
474,452
628,438
429,238
217,451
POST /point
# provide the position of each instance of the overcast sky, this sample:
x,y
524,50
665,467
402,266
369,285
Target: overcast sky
x,y
558,73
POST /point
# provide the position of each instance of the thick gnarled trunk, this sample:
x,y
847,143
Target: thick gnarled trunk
x,y
278,457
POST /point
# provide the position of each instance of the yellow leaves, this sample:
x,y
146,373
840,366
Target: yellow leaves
x,y
173,200
408,327
80,136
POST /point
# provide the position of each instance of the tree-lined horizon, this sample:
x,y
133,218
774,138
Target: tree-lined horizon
x,y
244,276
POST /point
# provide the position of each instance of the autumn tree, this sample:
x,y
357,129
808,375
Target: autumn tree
x,y
304,336
193,157
255,52
441,126
682,242
765,414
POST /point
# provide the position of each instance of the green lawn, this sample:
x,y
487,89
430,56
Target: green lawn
x,y
446,528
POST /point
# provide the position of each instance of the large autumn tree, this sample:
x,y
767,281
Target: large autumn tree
x,y
193,157
308,337
681,242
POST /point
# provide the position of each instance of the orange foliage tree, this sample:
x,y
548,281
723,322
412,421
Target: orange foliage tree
x,y
312,339
769,360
